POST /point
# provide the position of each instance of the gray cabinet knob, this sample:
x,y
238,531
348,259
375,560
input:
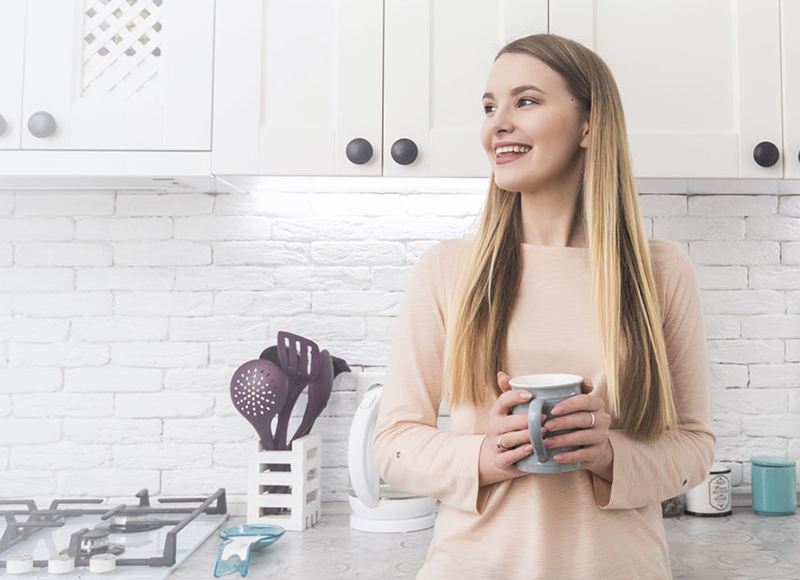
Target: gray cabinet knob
x,y
41,124
404,151
766,154
359,151
3,125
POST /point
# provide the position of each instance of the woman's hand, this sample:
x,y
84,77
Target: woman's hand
x,y
496,464
576,412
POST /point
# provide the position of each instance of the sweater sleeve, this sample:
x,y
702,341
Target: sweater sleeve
x,y
411,453
647,472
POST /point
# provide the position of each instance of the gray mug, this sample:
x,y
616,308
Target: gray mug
x,y
547,390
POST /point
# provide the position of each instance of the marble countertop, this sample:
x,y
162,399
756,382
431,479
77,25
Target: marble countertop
x,y
743,546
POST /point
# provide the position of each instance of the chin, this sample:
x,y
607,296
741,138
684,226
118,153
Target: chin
x,y
512,184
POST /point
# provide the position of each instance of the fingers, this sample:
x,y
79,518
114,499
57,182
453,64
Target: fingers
x,y
579,437
588,454
578,403
509,399
518,446
586,388
503,380
578,420
508,458
514,438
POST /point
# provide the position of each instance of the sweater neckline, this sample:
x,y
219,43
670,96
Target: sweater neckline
x,y
543,248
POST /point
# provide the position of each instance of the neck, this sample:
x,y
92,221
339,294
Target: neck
x,y
549,214
551,219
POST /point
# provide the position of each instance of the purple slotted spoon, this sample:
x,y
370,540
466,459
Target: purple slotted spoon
x,y
258,390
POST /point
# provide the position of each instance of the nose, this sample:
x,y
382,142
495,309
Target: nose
x,y
499,121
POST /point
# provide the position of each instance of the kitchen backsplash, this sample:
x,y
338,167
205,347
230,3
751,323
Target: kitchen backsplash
x,y
124,314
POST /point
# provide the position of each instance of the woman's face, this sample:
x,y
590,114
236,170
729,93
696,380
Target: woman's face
x,y
550,122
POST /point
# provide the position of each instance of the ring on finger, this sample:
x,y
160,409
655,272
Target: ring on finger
x,y
593,420
499,443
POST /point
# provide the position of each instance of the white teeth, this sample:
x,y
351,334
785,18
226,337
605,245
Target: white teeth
x,y
514,148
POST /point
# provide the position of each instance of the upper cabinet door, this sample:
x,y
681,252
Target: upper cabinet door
x,y
297,88
790,57
700,80
118,74
12,45
437,56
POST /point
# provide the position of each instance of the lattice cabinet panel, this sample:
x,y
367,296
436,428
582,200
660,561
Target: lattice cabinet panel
x,y
122,50
118,75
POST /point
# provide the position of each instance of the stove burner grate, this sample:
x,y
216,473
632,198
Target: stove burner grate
x,y
132,523
85,543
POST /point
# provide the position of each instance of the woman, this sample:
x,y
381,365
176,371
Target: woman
x,y
560,278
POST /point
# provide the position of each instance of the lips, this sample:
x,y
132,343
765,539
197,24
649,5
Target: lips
x,y
504,158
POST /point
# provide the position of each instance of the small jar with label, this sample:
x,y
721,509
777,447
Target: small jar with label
x,y
712,498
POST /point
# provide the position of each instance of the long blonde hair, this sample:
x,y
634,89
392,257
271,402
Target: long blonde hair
x,y
624,298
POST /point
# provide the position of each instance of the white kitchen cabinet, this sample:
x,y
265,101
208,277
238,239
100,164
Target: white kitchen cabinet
x,y
119,74
297,83
110,93
700,81
437,56
790,59
12,46
104,89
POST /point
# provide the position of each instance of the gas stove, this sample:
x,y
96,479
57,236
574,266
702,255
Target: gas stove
x,y
80,538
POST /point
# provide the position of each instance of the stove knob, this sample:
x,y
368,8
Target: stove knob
x,y
61,564
102,563
19,564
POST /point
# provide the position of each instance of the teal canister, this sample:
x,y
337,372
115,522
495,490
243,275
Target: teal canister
x,y
774,485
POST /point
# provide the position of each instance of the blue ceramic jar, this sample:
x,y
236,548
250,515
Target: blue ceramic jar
x,y
774,485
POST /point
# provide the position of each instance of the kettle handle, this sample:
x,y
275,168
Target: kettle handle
x,y
360,456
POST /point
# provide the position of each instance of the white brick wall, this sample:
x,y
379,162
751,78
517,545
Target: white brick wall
x,y
123,316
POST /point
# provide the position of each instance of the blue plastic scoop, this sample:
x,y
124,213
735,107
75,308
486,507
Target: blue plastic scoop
x,y
240,542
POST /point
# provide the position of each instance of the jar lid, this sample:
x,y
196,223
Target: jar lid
x,y
718,468
773,461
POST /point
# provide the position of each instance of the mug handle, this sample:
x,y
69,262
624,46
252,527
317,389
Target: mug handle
x,y
535,430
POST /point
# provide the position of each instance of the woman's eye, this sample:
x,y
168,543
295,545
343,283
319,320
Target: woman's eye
x,y
518,102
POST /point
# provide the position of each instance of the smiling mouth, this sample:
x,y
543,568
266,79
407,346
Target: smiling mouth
x,y
509,156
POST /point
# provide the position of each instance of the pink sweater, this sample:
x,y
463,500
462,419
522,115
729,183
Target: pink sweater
x,y
570,525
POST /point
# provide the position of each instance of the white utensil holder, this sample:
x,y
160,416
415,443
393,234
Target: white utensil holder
x,y
304,500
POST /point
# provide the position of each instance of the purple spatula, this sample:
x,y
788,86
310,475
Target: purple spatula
x,y
258,390
299,359
319,392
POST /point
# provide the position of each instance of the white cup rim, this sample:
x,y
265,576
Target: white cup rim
x,y
546,380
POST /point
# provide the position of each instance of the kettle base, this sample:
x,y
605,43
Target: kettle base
x,y
393,515
363,524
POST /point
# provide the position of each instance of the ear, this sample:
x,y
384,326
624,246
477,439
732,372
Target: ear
x,y
585,135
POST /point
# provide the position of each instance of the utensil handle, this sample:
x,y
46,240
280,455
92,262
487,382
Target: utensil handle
x,y
281,431
305,426
285,414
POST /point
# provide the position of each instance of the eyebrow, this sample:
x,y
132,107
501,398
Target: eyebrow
x,y
517,91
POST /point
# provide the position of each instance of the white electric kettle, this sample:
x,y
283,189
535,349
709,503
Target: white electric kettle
x,y
377,506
